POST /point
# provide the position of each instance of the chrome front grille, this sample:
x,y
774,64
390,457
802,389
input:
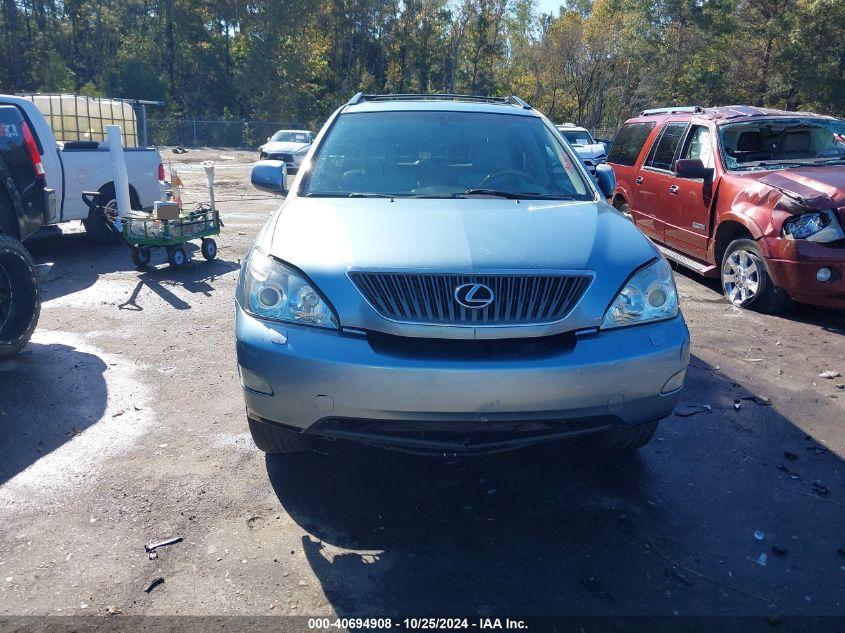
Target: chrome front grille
x,y
430,297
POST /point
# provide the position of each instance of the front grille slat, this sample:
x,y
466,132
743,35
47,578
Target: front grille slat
x,y
430,297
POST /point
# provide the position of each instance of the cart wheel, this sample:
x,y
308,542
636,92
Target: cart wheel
x,y
209,249
141,256
176,256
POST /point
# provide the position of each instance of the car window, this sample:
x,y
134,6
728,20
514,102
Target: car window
x,y
629,142
291,137
699,145
662,154
443,154
577,137
782,142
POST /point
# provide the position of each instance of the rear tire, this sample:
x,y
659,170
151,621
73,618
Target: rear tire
x,y
209,249
96,226
141,256
20,296
625,210
746,282
627,438
272,439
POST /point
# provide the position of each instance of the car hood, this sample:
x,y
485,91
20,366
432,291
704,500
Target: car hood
x,y
279,146
328,237
590,151
815,187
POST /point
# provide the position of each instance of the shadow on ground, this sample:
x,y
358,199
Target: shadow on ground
x,y
565,529
34,420
77,264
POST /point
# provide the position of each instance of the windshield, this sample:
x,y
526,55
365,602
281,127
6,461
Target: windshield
x,y
577,137
283,136
444,154
780,143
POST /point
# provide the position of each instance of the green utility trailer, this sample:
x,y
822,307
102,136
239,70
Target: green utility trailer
x,y
144,233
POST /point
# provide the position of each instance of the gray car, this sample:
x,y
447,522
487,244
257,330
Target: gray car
x,y
445,277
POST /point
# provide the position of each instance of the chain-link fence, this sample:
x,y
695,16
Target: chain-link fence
x,y
200,133
237,134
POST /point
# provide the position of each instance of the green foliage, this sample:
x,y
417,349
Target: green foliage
x,y
595,63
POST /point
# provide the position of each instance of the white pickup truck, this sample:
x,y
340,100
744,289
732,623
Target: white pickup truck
x,y
85,165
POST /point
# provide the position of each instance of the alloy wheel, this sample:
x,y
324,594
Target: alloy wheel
x,y
741,277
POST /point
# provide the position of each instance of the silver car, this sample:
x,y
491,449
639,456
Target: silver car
x,y
445,277
289,146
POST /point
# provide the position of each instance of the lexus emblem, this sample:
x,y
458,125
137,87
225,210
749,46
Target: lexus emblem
x,y
474,296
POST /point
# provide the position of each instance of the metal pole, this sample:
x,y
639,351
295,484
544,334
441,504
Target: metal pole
x,y
144,125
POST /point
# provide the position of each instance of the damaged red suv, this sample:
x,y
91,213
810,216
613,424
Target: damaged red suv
x,y
752,195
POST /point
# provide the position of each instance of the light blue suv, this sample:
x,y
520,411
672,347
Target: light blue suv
x,y
445,277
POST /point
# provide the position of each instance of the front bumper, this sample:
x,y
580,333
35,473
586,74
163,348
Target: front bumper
x,y
794,263
337,385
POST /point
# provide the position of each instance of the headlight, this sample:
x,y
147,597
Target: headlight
x,y
816,226
649,295
274,291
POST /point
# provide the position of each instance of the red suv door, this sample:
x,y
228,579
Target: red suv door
x,y
651,206
689,199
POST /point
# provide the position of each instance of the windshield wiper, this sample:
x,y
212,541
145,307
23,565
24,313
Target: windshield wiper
x,y
516,195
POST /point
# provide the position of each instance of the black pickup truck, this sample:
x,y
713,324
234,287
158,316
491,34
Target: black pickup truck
x,y
26,204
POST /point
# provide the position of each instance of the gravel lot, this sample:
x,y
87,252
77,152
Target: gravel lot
x,y
123,424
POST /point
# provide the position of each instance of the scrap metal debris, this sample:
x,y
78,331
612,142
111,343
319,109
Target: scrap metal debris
x,y
737,404
694,408
151,547
761,401
155,582
758,535
829,374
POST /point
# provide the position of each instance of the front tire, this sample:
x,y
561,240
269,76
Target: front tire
x,y
20,296
273,439
627,438
746,282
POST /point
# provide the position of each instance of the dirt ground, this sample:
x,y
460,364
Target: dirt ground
x,y
123,424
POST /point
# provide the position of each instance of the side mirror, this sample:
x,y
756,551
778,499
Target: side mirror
x,y
268,138
270,176
606,179
692,168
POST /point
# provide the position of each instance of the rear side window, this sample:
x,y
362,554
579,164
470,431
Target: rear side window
x,y
662,154
629,142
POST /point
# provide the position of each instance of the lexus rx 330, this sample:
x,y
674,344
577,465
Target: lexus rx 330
x,y
444,276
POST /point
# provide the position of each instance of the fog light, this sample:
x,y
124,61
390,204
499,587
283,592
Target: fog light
x,y
824,274
675,382
252,381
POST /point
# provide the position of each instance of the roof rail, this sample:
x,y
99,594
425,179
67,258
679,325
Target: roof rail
x,y
673,110
517,101
513,100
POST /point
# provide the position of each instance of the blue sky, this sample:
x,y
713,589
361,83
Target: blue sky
x,y
548,6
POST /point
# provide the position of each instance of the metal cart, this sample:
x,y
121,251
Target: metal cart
x,y
141,232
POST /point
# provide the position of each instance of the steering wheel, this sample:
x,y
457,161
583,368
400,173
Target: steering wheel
x,y
484,184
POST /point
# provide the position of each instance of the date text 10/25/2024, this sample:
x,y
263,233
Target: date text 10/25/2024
x,y
436,624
